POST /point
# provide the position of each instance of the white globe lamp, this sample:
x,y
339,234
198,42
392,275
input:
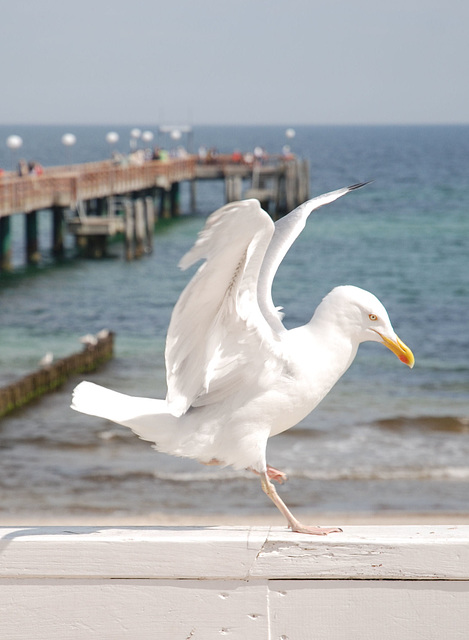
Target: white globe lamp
x,y
69,139
14,142
147,136
112,137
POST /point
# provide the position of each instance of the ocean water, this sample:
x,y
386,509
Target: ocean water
x,y
386,437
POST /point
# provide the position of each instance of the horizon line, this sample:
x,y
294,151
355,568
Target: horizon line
x,y
233,124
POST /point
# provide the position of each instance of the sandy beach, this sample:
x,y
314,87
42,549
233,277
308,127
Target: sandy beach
x,y
274,519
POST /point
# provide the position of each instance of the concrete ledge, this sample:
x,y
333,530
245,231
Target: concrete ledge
x,y
209,582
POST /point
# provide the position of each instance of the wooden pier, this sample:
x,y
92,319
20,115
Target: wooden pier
x,y
95,201
279,183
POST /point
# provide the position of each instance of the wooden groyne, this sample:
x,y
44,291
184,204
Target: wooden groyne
x,y
96,351
98,200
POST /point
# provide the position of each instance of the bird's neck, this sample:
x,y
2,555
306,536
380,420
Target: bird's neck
x,y
337,348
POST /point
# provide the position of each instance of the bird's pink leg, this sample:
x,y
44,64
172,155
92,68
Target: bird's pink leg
x,y
273,474
294,524
276,474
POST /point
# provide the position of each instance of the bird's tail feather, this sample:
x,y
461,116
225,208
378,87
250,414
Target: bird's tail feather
x,y
147,417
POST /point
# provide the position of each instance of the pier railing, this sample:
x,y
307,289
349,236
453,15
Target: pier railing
x,y
96,191
65,186
368,583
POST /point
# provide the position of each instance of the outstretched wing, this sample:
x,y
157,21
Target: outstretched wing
x,y
287,229
225,333
218,340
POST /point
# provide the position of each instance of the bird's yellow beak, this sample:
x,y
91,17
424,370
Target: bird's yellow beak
x,y
401,350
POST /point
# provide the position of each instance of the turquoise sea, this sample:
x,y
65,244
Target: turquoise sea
x,y
386,438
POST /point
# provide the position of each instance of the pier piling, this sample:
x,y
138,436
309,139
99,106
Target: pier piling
x,y
129,231
140,227
174,198
58,231
149,222
5,243
32,244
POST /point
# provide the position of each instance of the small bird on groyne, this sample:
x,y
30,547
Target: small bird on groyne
x,y
46,360
235,375
89,340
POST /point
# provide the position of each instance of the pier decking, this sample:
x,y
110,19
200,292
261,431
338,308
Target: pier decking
x,y
105,198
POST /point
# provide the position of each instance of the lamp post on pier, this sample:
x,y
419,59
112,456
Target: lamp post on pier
x,y
135,134
112,138
147,137
14,143
68,140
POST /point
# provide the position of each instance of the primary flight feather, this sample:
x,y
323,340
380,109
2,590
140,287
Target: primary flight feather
x,y
235,375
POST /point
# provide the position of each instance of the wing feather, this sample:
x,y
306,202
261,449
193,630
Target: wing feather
x,y
218,338
287,229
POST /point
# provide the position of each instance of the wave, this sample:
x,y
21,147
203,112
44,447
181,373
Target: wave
x,y
437,473
84,440
426,423
205,475
447,423
109,477
44,442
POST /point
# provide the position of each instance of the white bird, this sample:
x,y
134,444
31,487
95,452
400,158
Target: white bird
x,y
89,340
46,360
235,375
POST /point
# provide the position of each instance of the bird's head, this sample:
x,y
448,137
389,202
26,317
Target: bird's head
x,y
364,316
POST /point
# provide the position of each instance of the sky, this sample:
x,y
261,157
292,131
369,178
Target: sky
x,y
241,62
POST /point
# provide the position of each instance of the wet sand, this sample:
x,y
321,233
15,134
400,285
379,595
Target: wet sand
x,y
172,520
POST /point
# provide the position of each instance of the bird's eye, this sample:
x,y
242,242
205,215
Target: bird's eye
x,y
373,317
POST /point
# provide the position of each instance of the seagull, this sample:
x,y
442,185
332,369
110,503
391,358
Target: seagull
x,y
235,375
46,360
89,340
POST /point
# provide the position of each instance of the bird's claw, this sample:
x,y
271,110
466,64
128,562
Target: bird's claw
x,y
313,530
